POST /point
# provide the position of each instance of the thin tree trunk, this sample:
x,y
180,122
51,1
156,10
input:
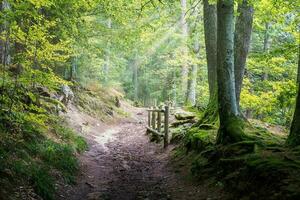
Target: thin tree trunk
x,y
267,45
107,56
242,37
73,69
192,83
298,75
294,136
4,44
135,79
193,70
184,25
230,128
174,91
267,41
4,47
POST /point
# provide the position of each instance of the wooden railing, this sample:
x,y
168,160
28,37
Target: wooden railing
x,y
155,119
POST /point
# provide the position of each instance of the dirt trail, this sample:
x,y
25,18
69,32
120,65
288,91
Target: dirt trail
x,y
122,164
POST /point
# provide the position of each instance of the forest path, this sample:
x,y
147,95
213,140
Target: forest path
x,y
122,164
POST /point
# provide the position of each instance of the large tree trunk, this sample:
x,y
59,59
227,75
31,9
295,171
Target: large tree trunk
x,y
242,37
210,31
184,26
210,115
230,124
294,136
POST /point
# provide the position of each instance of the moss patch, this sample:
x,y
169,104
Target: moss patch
x,y
259,167
98,102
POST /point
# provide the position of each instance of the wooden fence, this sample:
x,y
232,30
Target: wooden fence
x,y
155,119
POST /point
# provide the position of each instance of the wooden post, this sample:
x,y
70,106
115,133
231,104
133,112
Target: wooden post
x,y
153,119
166,124
159,121
149,118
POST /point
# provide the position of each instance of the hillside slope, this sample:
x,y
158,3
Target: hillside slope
x,y
37,146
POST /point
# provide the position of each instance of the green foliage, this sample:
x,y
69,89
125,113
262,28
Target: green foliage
x,y
60,156
27,152
43,182
95,43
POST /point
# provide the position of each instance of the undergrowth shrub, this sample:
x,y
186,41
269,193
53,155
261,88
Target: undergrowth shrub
x,y
34,144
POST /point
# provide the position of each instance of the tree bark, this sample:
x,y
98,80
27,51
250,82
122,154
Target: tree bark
x,y
267,41
193,70
174,90
242,37
184,26
230,124
4,44
107,56
294,136
135,79
192,83
210,115
73,69
266,47
210,31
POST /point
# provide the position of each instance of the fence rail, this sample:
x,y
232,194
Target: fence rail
x,y
155,119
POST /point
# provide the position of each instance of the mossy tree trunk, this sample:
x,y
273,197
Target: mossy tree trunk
x,y
210,32
294,136
242,37
210,115
230,124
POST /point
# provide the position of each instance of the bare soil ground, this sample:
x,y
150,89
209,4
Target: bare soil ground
x,y
122,164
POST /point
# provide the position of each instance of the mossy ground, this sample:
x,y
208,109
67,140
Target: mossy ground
x,y
99,102
260,167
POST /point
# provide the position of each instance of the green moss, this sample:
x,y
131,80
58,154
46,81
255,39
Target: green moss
x,y
177,133
210,115
43,182
256,165
198,139
232,131
60,156
97,103
69,136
